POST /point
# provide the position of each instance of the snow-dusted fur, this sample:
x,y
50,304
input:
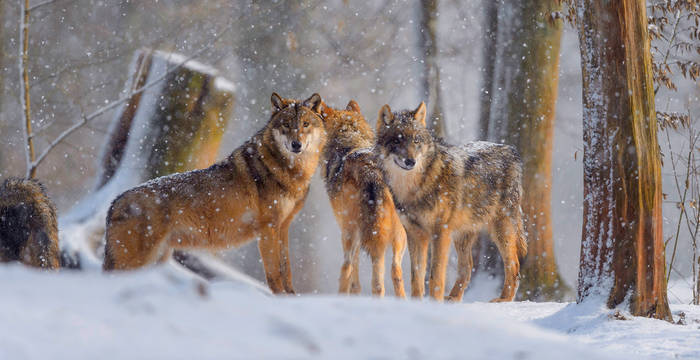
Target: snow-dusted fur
x,y
28,227
253,194
445,192
361,201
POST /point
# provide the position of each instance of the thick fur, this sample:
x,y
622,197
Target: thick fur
x,y
253,194
28,227
446,192
361,201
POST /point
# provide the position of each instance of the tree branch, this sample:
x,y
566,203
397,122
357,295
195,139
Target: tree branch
x,y
24,83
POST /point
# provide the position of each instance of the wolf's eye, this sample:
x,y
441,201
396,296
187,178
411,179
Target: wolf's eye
x,y
306,124
417,140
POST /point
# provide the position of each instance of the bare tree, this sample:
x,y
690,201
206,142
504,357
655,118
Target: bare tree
x,y
622,249
430,84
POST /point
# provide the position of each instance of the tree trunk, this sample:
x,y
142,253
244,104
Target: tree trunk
x,y
174,126
430,86
523,69
622,250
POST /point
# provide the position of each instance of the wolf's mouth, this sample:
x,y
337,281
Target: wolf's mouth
x,y
402,164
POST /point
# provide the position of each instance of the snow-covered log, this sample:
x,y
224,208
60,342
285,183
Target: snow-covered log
x,y
174,126
622,250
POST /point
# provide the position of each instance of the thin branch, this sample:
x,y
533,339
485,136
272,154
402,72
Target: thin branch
x,y
24,83
36,6
85,119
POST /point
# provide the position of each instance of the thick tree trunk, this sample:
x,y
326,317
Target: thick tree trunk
x,y
622,250
524,72
430,86
174,126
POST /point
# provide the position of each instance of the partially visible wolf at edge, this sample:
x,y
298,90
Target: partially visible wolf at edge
x,y
28,226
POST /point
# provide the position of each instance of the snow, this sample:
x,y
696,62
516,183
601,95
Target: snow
x,y
165,312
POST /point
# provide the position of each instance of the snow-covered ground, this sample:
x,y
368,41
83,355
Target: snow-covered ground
x,y
166,313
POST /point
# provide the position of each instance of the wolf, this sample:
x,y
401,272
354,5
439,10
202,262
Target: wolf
x,y
28,226
361,201
445,192
253,194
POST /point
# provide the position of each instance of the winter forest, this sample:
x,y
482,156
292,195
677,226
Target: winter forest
x,y
428,179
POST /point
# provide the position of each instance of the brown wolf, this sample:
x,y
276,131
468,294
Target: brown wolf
x,y
28,227
361,200
443,192
253,194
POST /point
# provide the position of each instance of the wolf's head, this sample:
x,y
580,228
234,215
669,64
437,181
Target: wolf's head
x,y
347,124
297,126
403,141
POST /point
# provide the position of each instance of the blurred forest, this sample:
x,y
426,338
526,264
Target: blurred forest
x,y
388,51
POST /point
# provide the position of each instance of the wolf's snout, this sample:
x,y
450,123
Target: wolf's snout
x,y
410,163
296,146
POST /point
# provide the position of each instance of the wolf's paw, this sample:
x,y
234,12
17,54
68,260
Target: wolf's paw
x,y
499,300
453,299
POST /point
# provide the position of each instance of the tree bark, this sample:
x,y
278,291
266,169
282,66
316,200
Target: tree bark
x,y
622,250
524,71
173,127
430,86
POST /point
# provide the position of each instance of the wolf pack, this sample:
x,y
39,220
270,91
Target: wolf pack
x,y
397,185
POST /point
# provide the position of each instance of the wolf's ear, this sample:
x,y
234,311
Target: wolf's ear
x,y
353,106
419,113
313,102
386,117
277,102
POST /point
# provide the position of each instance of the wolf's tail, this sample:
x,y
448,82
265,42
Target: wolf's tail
x,y
522,239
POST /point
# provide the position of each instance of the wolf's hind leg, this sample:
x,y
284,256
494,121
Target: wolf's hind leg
x,y
377,256
463,246
348,268
505,236
132,245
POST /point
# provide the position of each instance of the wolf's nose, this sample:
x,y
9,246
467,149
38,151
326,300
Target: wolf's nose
x,y
409,162
296,146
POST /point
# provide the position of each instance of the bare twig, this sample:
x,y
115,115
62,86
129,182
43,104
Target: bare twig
x,y
38,5
24,81
85,119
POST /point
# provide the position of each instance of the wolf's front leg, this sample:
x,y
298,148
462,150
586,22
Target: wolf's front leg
x,y
418,251
438,264
269,246
285,266
399,247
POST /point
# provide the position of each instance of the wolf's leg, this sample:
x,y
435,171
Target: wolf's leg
x,y
399,247
356,287
269,246
506,236
465,263
132,244
346,271
377,256
418,251
285,265
438,265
